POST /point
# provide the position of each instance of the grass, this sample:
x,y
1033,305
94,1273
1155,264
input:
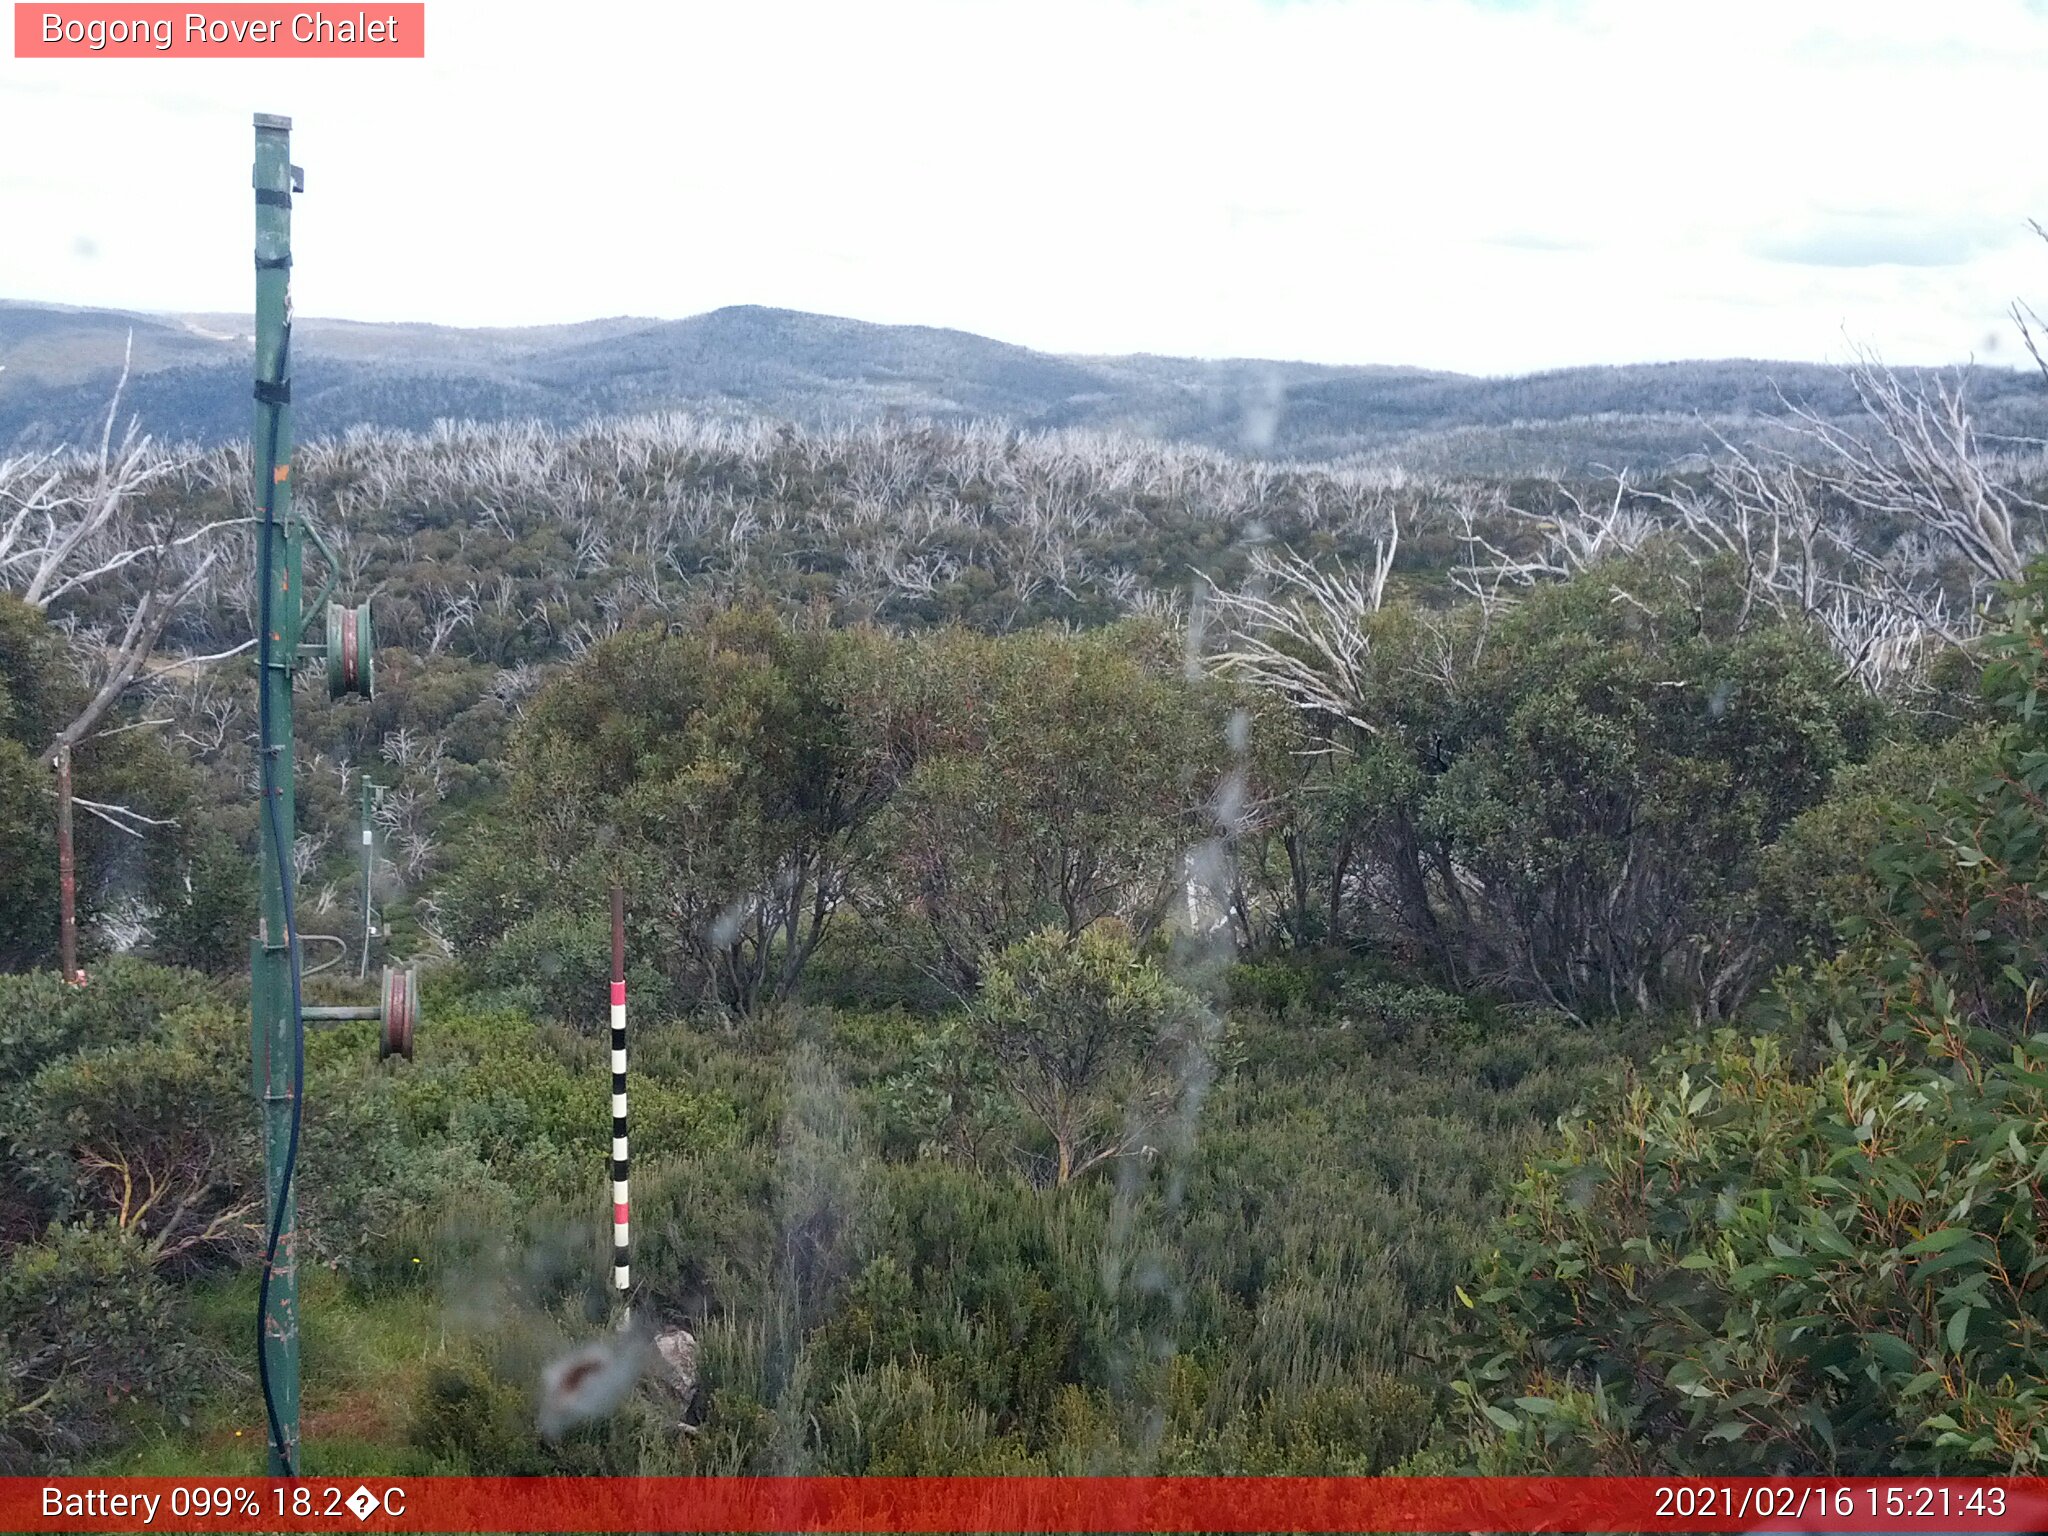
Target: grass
x,y
362,1358
1347,1173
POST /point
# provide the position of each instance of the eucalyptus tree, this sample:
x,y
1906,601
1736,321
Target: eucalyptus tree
x,y
712,769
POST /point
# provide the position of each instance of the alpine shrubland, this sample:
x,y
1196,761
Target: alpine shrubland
x,y
1140,959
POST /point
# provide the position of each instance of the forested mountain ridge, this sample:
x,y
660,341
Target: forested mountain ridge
x,y
188,381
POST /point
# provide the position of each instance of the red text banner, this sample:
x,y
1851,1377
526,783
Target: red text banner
x,y
1024,1504
376,31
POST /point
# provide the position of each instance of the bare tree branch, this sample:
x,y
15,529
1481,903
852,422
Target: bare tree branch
x,y
120,817
1310,644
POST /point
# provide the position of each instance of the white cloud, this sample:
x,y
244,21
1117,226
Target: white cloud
x,y
1442,182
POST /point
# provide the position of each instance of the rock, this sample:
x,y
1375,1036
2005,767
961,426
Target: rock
x,y
675,1362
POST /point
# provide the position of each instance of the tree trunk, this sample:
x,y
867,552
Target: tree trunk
x,y
67,871
1339,868
1297,886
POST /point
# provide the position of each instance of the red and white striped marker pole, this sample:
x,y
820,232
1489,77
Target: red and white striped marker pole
x,y
621,1267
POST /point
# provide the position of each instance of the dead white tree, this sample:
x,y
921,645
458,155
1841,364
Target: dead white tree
x,y
446,612
1299,631
1923,466
2029,321
73,525
1893,539
1569,540
1890,539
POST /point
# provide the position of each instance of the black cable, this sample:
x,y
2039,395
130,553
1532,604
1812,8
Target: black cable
x,y
271,799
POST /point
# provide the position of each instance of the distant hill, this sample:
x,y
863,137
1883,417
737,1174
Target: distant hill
x,y
190,380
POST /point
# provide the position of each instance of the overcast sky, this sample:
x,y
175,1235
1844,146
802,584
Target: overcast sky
x,y
1485,185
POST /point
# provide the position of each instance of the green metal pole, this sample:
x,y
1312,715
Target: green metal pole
x,y
275,1025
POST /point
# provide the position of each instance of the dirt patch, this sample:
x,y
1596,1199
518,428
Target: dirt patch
x,y
363,1415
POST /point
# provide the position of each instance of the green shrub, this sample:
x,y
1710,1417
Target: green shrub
x,y
562,963
465,1420
476,1412
898,1420
1093,1043
88,1328
1742,1268
1396,1015
156,1135
211,911
1575,813
1820,869
1818,1249
41,1018
28,852
1356,1428
1271,985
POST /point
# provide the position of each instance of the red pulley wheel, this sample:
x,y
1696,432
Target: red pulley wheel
x,y
349,663
400,1008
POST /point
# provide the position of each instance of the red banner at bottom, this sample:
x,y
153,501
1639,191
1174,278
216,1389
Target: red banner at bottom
x,y
1023,1504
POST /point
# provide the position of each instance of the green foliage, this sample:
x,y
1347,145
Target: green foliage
x,y
1960,931
42,691
1253,1302
1273,986
560,962
1361,1428
88,1328
749,778
867,1305
897,1420
37,696
1340,1183
714,770
1772,1272
475,1412
208,906
1052,780
126,1001
1820,870
28,852
1093,1042
910,894
1743,1264
530,1108
152,1135
464,1418
1576,812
